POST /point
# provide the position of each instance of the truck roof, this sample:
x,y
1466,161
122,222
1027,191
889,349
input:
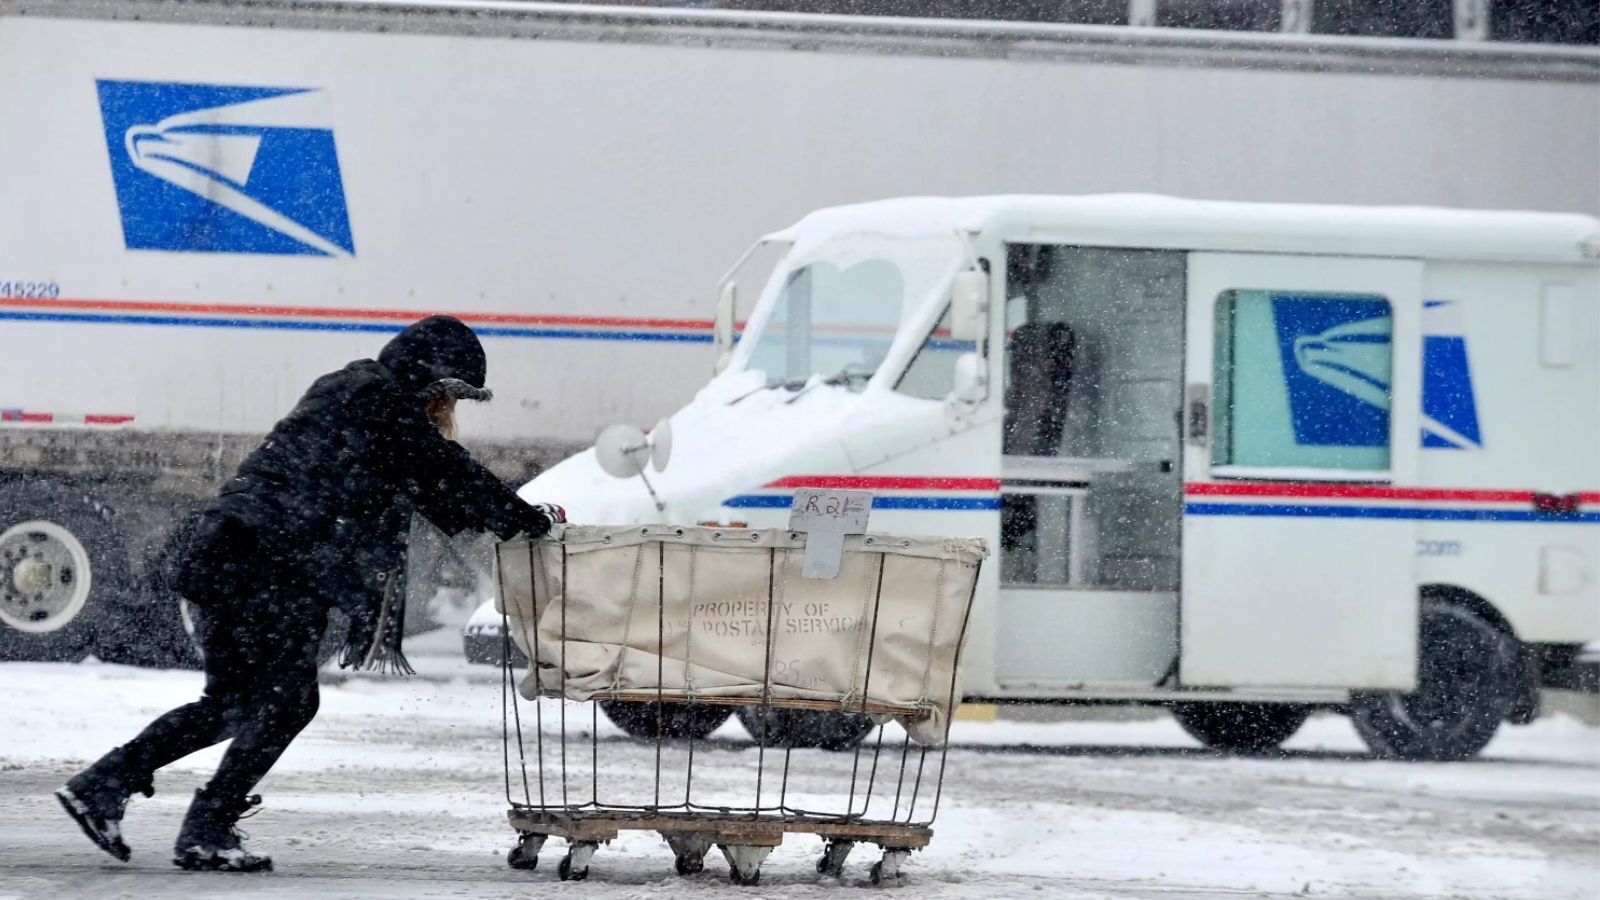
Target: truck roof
x,y
1148,220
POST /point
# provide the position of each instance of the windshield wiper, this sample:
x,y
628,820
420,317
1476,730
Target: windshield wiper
x,y
801,386
844,376
788,384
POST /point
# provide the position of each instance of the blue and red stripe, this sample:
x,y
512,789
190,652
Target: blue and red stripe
x,y
1358,501
336,319
940,493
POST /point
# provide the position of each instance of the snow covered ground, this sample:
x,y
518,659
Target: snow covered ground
x,y
397,791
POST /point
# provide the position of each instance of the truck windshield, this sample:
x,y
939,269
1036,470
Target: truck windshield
x,y
838,314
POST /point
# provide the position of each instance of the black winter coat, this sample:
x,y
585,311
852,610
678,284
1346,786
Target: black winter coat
x,y
323,507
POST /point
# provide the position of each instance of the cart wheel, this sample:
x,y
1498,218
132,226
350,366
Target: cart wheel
x,y
564,870
744,862
834,853
525,855
886,871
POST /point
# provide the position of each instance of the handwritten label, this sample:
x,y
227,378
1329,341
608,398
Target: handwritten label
x,y
825,517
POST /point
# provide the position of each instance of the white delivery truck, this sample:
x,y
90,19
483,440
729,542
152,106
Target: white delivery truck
x,y
210,204
1241,460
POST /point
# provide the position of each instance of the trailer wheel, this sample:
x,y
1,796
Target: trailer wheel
x,y
837,731
677,720
1467,673
61,565
1240,727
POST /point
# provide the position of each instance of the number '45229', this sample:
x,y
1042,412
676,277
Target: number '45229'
x,y
47,290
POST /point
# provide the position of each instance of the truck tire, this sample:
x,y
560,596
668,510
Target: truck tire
x,y
1240,727
677,720
1467,683
63,570
799,728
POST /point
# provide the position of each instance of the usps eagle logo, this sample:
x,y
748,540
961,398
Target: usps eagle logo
x,y
208,168
1337,363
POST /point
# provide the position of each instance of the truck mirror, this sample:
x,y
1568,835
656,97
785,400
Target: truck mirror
x,y
969,306
722,325
971,381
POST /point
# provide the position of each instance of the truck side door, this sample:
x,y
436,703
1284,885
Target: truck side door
x,y
1298,563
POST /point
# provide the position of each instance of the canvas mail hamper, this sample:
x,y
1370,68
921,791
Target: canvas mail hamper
x,y
723,615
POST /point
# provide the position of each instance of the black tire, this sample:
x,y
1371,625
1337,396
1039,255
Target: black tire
x,y
1240,727
565,873
56,623
517,859
799,728
1468,673
679,721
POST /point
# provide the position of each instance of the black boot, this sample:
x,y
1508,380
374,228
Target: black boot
x,y
96,798
210,841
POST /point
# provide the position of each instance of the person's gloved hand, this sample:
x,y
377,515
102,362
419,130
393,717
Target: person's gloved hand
x,y
539,518
556,514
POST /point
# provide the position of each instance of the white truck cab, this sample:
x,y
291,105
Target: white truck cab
x,y
1243,460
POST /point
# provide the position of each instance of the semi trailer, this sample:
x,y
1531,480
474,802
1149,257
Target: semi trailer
x,y
209,205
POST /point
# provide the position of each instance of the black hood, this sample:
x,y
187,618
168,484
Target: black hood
x,y
438,348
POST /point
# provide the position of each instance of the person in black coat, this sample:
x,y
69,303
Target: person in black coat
x,y
317,518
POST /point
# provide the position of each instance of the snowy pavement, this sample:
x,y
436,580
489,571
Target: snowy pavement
x,y
397,790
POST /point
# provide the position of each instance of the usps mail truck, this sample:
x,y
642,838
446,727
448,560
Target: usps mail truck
x,y
1245,461
207,205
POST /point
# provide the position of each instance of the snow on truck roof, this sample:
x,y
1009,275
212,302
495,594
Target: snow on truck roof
x,y
1147,220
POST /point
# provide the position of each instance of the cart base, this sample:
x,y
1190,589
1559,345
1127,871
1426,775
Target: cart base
x,y
744,841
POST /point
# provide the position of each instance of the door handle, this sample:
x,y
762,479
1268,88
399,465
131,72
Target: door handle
x,y
1197,413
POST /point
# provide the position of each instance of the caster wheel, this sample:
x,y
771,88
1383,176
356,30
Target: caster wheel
x,y
516,859
834,854
753,880
565,870
687,865
888,871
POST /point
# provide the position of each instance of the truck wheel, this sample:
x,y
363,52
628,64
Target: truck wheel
x,y
836,731
60,565
1467,673
677,720
1240,727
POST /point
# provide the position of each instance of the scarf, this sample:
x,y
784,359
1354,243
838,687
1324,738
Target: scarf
x,y
374,636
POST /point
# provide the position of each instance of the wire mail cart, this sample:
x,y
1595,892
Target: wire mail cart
x,y
681,625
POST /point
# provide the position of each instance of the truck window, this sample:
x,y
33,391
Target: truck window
x,y
832,321
931,374
1302,381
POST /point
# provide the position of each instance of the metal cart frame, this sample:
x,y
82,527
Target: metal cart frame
x,y
544,806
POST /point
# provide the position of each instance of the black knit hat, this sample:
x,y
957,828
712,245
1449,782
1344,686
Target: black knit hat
x,y
438,356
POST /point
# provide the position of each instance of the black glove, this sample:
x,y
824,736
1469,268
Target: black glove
x,y
556,514
539,517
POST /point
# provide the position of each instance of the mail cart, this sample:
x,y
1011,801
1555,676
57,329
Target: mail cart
x,y
865,629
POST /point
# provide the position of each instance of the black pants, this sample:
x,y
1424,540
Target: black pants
x,y
261,690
